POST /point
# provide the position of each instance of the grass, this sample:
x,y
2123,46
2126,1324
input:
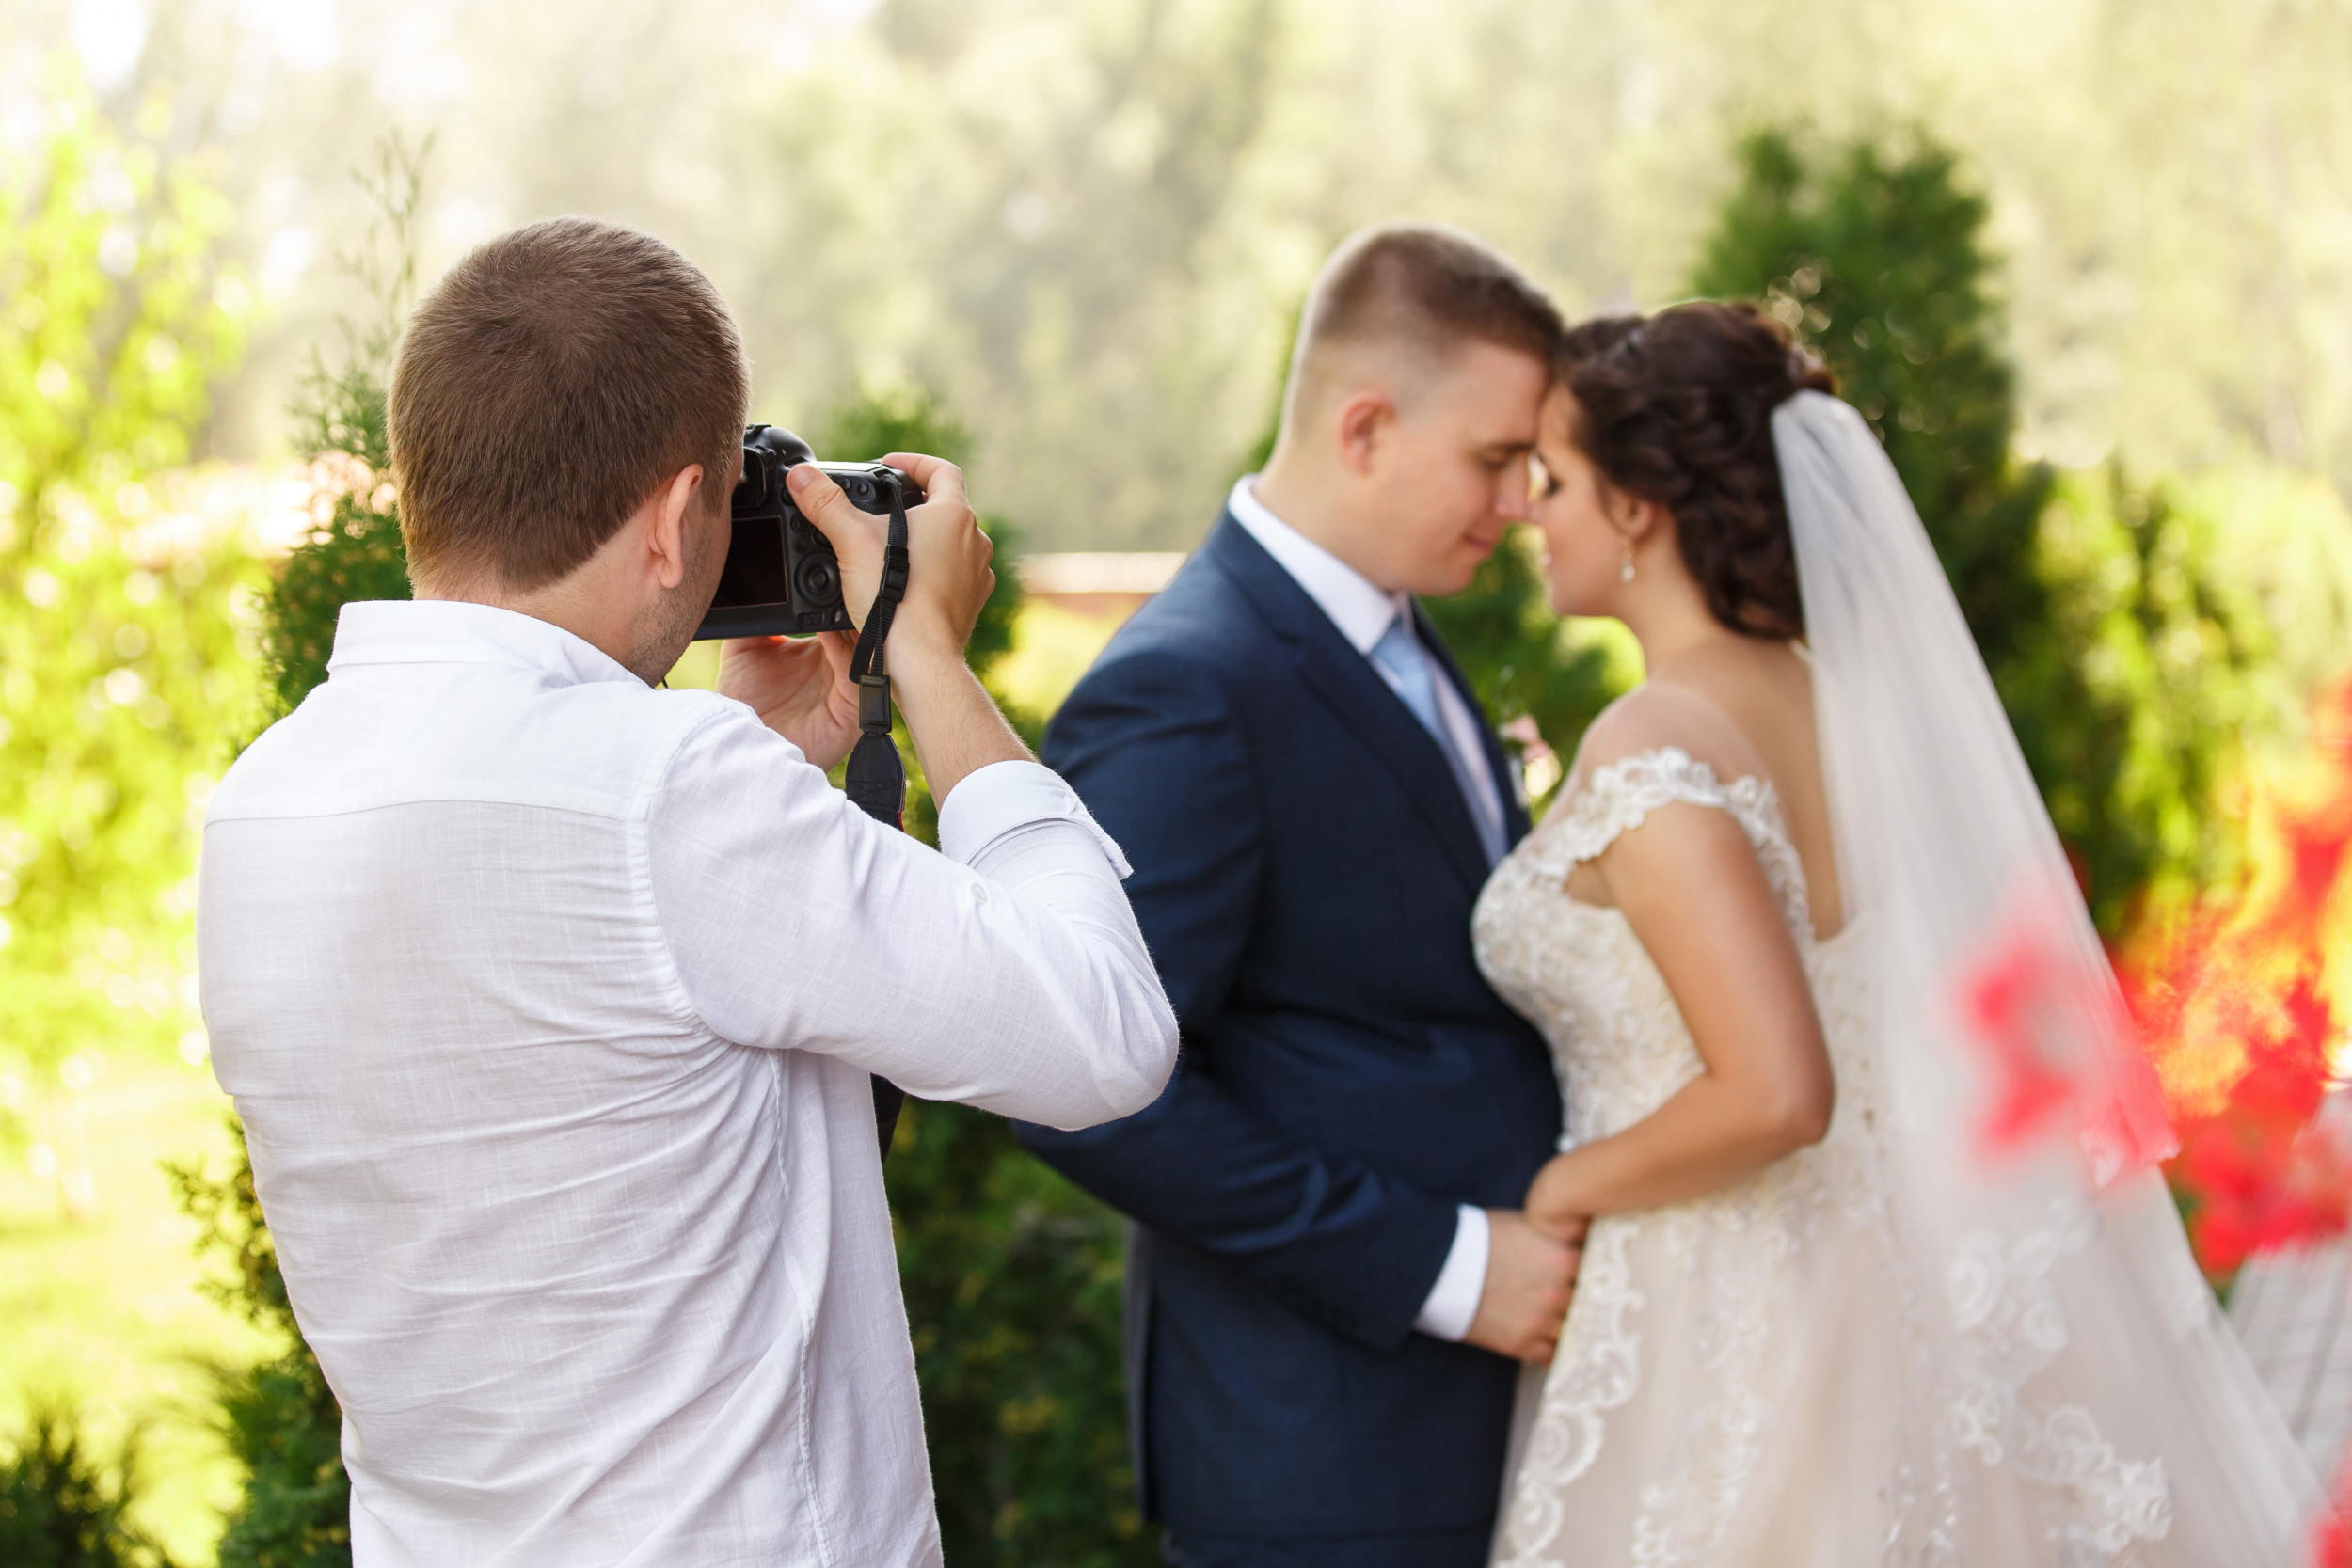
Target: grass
x,y
106,1314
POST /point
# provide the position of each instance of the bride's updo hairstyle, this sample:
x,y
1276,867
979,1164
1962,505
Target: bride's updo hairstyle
x,y
1676,408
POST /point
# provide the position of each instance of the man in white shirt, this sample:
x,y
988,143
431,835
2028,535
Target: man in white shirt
x,y
1330,1282
549,999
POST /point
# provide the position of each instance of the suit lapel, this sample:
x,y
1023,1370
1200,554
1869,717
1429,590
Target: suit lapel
x,y
1345,681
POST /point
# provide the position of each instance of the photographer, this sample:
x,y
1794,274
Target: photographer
x,y
549,999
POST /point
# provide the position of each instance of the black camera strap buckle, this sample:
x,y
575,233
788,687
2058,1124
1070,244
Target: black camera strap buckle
x,y
876,778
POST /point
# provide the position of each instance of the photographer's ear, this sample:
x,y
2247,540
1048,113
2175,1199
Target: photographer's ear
x,y
673,508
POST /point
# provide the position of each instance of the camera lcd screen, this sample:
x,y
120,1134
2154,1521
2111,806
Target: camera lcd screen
x,y
753,574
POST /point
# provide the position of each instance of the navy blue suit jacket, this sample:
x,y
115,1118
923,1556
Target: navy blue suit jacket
x,y
1304,871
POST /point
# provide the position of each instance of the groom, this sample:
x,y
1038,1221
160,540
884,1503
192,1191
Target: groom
x,y
1329,1285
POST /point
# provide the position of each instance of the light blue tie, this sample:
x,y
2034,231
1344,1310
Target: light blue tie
x,y
1399,653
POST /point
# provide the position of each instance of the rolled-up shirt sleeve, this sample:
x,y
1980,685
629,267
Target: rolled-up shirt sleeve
x,y
1004,973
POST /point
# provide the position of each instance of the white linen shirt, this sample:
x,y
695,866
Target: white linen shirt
x,y
547,1001
1362,613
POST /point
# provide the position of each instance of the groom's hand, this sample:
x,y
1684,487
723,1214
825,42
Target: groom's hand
x,y
1530,1278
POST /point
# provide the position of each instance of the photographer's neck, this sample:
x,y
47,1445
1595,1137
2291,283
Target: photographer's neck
x,y
631,600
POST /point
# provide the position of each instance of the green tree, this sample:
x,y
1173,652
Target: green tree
x,y
341,427
122,671
63,1507
280,1419
1010,1274
2125,660
1011,1278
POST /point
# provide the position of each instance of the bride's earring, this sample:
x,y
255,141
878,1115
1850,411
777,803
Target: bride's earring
x,y
1625,573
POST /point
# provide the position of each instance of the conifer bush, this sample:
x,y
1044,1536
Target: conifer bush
x,y
62,1506
2126,658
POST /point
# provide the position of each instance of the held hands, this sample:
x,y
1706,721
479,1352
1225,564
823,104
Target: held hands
x,y
1530,1279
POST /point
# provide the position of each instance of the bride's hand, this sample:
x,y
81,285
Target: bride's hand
x,y
1553,1205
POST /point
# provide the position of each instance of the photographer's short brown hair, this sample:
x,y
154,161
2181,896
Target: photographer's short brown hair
x,y
1421,290
556,378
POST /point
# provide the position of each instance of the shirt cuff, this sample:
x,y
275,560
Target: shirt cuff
x,y
1453,1304
1005,797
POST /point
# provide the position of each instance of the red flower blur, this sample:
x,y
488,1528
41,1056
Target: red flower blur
x,y
2040,1004
2238,1006
2331,1535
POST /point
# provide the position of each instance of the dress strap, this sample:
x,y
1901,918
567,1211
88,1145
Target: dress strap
x,y
1618,797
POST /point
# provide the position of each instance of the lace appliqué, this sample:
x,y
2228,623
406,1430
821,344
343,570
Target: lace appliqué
x,y
1975,1364
1623,1050
1604,1376
2010,1328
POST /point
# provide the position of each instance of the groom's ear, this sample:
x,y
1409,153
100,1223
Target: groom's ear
x,y
1361,420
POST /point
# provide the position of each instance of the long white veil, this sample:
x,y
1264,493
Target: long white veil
x,y
2072,1391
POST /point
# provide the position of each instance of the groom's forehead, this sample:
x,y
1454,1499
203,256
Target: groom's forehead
x,y
1496,394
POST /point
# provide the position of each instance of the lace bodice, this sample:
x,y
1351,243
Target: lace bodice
x,y
1583,977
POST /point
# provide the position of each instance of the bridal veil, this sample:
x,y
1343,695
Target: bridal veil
x,y
2070,1392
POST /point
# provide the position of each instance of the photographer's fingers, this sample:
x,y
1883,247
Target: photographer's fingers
x,y
856,536
950,580
941,480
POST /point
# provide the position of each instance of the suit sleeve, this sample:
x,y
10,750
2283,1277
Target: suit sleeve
x,y
1154,748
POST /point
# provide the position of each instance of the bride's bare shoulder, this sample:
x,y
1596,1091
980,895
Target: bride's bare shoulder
x,y
1662,714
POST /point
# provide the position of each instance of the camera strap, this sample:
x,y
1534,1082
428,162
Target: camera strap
x,y
877,779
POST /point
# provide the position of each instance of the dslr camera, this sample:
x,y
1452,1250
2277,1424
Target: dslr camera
x,y
781,576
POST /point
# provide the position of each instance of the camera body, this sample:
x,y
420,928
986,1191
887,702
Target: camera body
x,y
781,576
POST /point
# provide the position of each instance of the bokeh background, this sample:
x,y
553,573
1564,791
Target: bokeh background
x,y
2086,263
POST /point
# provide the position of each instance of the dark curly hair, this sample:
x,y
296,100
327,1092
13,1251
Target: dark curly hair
x,y
1676,408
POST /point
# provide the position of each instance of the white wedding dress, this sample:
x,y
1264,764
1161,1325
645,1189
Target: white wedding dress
x,y
1876,1349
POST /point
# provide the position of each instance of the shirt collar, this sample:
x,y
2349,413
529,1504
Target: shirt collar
x,y
452,631
1362,611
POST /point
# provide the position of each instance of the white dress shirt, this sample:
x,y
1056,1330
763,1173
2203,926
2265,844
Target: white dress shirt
x,y
549,1002
1362,613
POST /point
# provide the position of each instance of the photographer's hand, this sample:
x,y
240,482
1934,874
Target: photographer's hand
x,y
800,687
955,726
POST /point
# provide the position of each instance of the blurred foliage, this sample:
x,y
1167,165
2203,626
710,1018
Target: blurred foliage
x,y
1011,1278
1084,220
63,1507
280,1419
1010,1274
1526,662
2128,659
341,423
122,669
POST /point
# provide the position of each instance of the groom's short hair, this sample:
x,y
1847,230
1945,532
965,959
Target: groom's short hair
x,y
556,378
1420,291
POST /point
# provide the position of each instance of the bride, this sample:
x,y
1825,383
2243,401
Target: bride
x,y
1820,1320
